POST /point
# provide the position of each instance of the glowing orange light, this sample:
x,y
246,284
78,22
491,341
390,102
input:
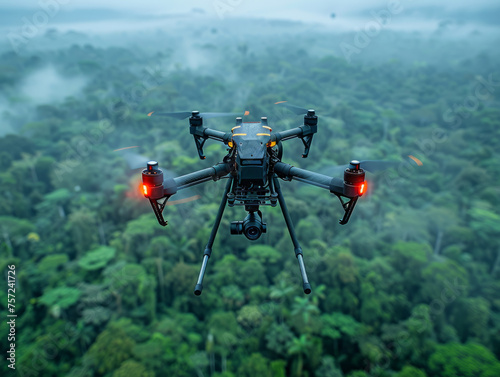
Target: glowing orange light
x,y
145,190
121,149
276,103
419,163
362,188
247,112
151,113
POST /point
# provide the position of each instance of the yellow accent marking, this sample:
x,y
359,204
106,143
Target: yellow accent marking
x,y
232,129
276,103
271,144
269,128
230,143
151,113
263,134
239,134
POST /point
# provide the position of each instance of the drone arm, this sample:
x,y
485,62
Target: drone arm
x,y
304,132
172,185
201,134
217,135
337,186
288,134
159,193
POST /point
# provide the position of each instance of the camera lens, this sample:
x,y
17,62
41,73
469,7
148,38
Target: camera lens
x,y
253,232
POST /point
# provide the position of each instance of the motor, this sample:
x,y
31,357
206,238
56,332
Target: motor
x,y
152,181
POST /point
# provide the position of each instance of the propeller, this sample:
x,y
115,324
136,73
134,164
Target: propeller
x,y
186,114
135,160
371,166
138,161
295,109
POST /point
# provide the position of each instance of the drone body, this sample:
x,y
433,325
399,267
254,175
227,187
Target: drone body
x,y
253,167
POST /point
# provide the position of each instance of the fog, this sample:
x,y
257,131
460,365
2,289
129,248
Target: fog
x,y
47,86
205,36
44,86
156,25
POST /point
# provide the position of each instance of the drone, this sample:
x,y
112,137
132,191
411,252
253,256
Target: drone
x,y
253,168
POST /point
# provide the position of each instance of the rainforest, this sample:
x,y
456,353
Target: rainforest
x,y
408,288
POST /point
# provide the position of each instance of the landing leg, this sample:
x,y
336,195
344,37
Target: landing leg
x,y
291,230
208,249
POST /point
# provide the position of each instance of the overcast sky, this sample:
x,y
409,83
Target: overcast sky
x,y
263,8
100,16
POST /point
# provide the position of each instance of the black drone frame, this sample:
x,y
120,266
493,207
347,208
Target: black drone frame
x,y
348,190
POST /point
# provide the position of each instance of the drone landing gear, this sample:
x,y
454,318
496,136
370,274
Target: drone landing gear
x,y
291,230
208,249
158,207
348,208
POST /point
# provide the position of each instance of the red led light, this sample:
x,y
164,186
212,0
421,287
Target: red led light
x,y
362,188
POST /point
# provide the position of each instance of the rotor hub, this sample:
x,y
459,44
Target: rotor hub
x,y
354,165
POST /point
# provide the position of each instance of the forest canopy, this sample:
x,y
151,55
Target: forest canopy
x,y
409,288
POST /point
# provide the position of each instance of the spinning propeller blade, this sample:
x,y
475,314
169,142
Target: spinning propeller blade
x,y
138,161
295,109
371,166
186,114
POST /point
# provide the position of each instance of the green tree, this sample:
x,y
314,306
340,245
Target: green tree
x,y
328,368
15,233
300,347
279,338
305,311
62,297
409,371
467,360
255,365
50,263
82,225
132,368
470,317
338,325
112,347
263,253
97,259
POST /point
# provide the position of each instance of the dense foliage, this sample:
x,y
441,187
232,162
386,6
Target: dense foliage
x,y
410,287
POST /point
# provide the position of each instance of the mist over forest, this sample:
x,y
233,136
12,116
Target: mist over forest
x,y
408,288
